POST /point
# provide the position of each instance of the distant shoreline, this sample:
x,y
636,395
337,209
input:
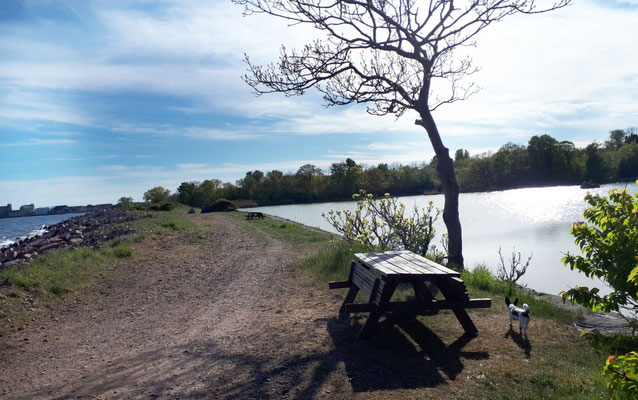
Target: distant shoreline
x,y
42,215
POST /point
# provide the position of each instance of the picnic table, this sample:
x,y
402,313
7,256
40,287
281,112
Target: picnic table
x,y
254,214
379,274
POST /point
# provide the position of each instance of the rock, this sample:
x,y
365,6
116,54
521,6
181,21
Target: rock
x,y
191,211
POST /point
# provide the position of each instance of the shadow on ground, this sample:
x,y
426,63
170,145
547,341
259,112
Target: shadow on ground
x,y
522,342
401,354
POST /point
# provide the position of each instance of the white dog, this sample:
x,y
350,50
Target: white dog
x,y
519,314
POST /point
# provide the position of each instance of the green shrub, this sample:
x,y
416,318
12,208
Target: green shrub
x,y
220,205
167,207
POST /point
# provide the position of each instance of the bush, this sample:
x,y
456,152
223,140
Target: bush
x,y
220,205
382,224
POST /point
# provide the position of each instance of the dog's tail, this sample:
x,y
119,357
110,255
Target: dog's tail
x,y
525,307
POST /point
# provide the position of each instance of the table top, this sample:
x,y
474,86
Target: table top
x,y
403,263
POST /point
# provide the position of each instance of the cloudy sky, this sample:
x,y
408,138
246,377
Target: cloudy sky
x,y
108,98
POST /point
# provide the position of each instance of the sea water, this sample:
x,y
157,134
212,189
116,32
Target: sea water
x,y
14,229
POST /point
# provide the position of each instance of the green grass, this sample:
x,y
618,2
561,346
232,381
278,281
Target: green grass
x,y
163,221
331,263
285,231
481,282
52,276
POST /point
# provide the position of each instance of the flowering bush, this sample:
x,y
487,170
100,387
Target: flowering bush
x,y
381,224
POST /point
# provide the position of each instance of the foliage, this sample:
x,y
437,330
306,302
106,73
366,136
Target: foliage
x,y
516,268
622,372
157,195
382,224
220,205
163,206
126,203
609,242
509,167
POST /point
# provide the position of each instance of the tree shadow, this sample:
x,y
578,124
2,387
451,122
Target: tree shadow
x,y
522,342
401,354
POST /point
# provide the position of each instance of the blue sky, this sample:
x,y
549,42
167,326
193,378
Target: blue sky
x,y
103,99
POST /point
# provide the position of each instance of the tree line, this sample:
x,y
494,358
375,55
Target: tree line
x,y
544,161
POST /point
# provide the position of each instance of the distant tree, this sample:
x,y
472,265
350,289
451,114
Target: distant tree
x,y
616,139
157,195
461,155
567,150
386,53
126,203
541,155
594,164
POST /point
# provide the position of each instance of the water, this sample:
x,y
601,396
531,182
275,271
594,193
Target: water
x,y
14,229
535,221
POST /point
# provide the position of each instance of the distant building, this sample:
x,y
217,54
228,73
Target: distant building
x,y
5,210
42,210
59,210
27,209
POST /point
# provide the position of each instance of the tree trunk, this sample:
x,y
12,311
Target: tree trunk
x,y
445,168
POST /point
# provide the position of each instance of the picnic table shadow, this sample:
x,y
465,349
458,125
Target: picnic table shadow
x,y
401,354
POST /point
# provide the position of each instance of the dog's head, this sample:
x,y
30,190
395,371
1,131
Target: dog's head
x,y
508,302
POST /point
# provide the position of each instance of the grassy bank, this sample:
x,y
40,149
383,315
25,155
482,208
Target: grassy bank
x,y
25,288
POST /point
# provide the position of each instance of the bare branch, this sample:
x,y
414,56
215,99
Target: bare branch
x,y
380,52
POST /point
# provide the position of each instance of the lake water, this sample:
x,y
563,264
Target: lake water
x,y
14,229
535,221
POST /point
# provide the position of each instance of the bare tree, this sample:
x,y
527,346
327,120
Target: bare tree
x,y
386,53
516,268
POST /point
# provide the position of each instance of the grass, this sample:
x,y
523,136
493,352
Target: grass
x,y
554,364
481,282
163,221
285,231
52,276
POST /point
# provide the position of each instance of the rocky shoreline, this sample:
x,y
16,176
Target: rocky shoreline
x,y
87,230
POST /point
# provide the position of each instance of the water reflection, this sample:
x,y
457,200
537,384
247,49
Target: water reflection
x,y
533,221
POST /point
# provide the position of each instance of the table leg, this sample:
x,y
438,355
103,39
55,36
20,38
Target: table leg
x,y
451,294
352,294
373,318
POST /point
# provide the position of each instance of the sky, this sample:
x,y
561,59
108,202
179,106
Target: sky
x,y
109,98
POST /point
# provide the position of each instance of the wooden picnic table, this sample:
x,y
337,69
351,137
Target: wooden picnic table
x,y
379,274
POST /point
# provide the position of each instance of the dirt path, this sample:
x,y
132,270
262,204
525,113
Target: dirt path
x,y
232,320
185,326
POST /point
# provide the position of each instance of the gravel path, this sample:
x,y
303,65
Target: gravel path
x,y
228,322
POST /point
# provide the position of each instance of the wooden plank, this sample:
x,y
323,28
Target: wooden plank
x,y
414,307
429,265
400,263
363,278
339,284
387,264
480,303
374,261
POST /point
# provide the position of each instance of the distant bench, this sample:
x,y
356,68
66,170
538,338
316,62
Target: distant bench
x,y
253,215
